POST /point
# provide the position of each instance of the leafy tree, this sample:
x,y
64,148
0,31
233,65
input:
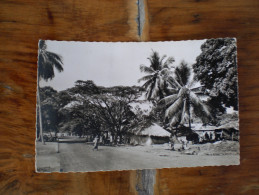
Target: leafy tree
x,y
77,114
49,115
178,105
114,109
46,63
155,84
85,119
48,109
216,69
85,87
47,92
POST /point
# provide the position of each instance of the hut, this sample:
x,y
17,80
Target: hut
x,y
229,131
154,134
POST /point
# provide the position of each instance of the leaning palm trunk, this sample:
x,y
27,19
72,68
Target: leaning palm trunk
x,y
40,117
189,113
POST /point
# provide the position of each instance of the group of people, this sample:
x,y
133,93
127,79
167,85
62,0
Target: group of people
x,y
183,144
204,138
102,140
207,137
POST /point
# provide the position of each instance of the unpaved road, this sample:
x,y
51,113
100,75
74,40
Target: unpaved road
x,y
78,157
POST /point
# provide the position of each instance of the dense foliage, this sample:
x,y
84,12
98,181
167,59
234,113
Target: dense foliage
x,y
216,69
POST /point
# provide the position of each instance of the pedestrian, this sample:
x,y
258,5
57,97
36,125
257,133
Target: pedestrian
x,y
182,142
171,141
95,143
111,140
101,140
210,136
207,137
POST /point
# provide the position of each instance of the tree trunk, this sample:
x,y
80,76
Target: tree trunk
x,y
115,138
40,117
189,113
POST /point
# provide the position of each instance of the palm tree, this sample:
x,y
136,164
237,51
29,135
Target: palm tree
x,y
178,105
46,63
155,84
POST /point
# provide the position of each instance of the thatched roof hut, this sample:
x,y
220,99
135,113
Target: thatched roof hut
x,y
154,134
154,130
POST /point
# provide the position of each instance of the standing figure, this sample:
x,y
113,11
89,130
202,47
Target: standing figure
x,y
111,140
101,140
207,137
95,143
171,141
210,136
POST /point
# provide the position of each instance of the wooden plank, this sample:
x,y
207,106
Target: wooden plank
x,y
190,19
22,23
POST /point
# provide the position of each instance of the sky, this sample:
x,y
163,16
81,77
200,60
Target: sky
x,y
113,64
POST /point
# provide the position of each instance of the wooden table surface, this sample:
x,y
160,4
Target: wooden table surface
x,y
23,23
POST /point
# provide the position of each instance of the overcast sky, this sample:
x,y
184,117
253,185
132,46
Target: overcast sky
x,y
112,64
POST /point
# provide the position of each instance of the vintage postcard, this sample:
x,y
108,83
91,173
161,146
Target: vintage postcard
x,y
104,106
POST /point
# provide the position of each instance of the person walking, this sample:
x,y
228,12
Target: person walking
x,y
96,143
171,141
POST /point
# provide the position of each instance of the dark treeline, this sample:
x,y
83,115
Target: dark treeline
x,y
87,109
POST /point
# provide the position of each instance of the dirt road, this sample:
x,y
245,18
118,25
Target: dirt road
x,y
78,157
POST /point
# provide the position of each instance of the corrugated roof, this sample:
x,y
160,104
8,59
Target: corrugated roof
x,y
230,125
200,127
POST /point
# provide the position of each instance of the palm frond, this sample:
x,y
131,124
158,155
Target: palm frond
x,y
146,78
160,82
155,89
42,44
183,73
161,60
168,62
149,88
46,70
198,89
172,90
47,61
200,108
192,83
56,60
176,118
173,82
183,113
154,60
147,84
174,108
168,100
165,72
146,69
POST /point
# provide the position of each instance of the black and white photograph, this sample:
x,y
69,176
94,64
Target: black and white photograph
x,y
106,106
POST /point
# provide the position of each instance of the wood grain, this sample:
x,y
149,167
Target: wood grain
x,y
22,23
177,20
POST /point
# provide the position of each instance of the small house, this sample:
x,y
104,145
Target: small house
x,y
229,131
154,134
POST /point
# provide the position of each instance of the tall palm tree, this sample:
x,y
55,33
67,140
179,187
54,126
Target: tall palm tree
x,y
46,63
155,84
178,105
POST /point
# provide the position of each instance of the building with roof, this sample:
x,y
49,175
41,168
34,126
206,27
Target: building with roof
x,y
154,134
